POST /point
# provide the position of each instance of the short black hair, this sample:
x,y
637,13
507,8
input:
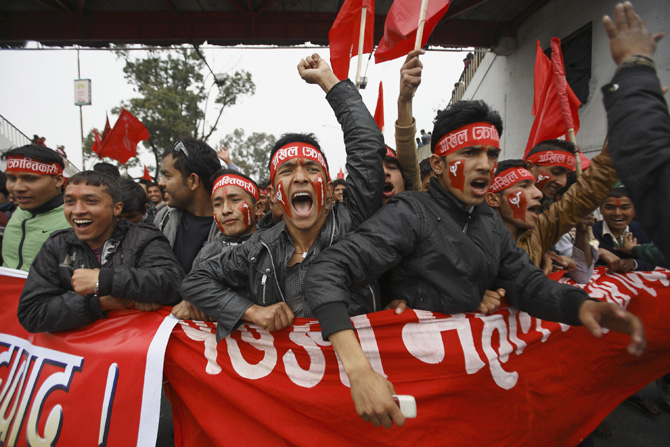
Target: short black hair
x,y
460,114
3,184
552,145
96,178
425,168
287,138
619,191
511,163
36,152
339,181
227,171
201,160
107,168
133,196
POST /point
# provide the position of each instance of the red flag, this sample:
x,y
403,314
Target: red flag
x,y
121,143
97,144
402,22
345,32
550,122
146,175
107,130
340,174
542,70
561,83
379,111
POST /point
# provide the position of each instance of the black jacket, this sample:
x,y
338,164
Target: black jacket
x,y
639,139
443,260
225,286
137,264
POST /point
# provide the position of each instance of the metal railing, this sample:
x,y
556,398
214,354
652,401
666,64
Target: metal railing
x,y
468,73
9,131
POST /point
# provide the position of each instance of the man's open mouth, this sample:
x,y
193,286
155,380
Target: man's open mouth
x,y
535,209
302,203
82,223
480,186
388,190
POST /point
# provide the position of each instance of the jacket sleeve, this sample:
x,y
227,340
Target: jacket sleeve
x,y
639,137
216,286
651,254
590,190
376,246
405,146
45,306
155,277
365,151
530,290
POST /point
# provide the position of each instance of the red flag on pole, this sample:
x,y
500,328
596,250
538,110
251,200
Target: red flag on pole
x,y
379,111
402,22
146,175
107,130
340,174
121,143
97,144
344,34
550,121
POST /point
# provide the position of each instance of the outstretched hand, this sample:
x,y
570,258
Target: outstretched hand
x,y
628,34
596,315
372,396
315,70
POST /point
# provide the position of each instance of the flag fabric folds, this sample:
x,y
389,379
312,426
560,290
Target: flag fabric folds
x,y
97,144
108,128
555,105
121,143
345,32
379,110
400,27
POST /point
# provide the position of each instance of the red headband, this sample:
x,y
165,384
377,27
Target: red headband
x,y
297,150
390,153
553,158
510,177
474,134
17,163
236,180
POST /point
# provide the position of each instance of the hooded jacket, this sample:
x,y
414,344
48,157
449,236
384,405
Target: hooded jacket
x,y
136,264
442,259
225,286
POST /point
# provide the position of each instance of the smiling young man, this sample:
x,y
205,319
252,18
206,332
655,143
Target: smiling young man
x,y
261,280
100,264
445,248
550,162
35,180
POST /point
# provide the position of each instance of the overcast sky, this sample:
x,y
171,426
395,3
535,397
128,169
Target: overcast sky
x,y
37,94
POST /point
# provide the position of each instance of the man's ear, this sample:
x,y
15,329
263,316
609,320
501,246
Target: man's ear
x,y
530,165
60,180
437,164
271,195
116,210
493,199
330,189
193,181
258,207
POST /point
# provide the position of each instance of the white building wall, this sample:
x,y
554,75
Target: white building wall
x,y
506,82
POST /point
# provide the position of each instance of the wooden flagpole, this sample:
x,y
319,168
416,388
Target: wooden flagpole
x,y
578,161
422,22
361,38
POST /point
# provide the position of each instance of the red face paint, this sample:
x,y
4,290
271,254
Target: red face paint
x,y
245,209
517,201
218,224
617,203
542,180
320,190
492,173
283,200
456,174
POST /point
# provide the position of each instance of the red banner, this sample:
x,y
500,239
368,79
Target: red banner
x,y
527,381
100,385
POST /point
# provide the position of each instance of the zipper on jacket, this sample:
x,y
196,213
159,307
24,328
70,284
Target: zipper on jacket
x,y
468,216
374,301
272,261
265,277
23,239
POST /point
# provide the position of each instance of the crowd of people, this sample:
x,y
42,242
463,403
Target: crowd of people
x,y
456,232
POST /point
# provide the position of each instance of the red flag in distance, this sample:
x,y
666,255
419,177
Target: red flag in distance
x,y
121,143
379,110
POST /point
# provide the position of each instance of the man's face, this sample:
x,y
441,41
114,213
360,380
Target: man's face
x,y
179,193
617,212
425,180
467,173
549,179
520,204
30,191
393,183
91,212
338,192
301,189
154,195
234,210
132,216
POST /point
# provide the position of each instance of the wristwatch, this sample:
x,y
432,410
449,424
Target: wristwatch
x,y
97,285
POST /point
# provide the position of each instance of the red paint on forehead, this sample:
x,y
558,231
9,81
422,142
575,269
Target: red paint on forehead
x,y
617,203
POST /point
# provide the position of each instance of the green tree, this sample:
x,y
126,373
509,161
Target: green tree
x,y
250,153
172,92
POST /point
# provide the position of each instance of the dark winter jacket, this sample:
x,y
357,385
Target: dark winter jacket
x,y
443,259
608,243
225,286
639,139
136,264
